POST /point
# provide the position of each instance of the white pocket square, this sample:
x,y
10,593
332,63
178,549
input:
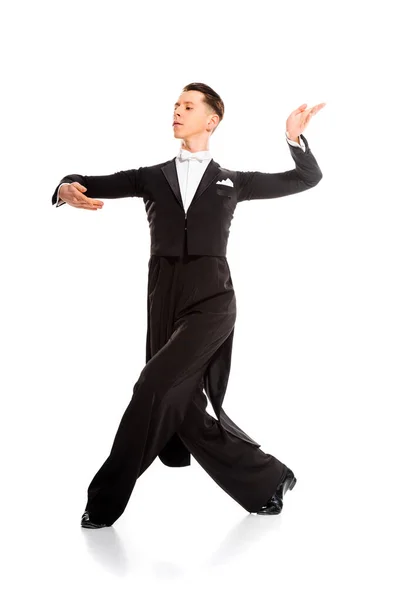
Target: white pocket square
x,y
226,182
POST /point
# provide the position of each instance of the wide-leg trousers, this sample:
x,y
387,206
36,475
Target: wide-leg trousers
x,y
191,312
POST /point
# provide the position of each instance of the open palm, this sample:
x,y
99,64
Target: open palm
x,y
298,120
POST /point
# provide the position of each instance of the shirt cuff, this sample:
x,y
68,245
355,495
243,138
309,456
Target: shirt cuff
x,y
60,202
292,143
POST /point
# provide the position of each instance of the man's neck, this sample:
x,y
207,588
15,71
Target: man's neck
x,y
193,148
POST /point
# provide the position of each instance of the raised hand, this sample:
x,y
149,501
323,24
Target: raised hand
x,y
298,120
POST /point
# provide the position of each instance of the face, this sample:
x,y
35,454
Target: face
x,y
193,117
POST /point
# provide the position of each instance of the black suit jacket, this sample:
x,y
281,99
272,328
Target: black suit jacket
x,y
204,229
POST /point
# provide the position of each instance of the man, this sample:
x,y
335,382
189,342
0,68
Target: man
x,y
191,312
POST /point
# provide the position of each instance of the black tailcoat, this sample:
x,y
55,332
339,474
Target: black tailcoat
x,y
201,231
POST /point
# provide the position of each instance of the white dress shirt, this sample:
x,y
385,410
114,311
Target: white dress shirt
x,y
190,173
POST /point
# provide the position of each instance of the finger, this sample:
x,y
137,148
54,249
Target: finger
x,y
299,110
79,186
86,202
318,107
307,114
81,197
310,113
86,206
90,201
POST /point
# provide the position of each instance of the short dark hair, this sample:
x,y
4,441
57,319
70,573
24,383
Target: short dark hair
x,y
211,98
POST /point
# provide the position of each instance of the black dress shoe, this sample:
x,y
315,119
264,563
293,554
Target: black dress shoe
x,y
275,503
86,522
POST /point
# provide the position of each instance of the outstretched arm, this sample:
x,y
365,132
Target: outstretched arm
x,y
252,185
306,174
122,184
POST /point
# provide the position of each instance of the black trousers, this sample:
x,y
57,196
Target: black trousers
x,y
191,312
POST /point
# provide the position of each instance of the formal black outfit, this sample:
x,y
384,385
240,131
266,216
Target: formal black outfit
x,y
191,311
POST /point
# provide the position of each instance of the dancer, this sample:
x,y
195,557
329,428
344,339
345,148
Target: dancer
x,y
191,311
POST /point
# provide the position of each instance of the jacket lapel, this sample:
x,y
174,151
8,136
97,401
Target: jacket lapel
x,y
210,174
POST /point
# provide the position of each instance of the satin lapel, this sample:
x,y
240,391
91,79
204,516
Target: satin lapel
x,y
171,175
212,171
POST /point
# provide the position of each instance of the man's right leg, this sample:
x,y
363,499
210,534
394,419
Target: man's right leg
x,y
161,396
245,472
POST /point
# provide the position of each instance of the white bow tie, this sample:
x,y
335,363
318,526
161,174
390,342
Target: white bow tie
x,y
201,155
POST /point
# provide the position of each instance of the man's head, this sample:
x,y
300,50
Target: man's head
x,y
198,111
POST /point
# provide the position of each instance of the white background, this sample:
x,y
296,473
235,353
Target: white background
x,y
89,87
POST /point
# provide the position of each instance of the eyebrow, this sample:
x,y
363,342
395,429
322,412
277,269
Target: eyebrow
x,y
188,102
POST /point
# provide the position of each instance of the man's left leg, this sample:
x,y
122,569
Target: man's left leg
x,y
245,472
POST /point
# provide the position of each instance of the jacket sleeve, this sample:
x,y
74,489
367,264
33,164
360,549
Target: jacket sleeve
x,y
252,185
121,184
